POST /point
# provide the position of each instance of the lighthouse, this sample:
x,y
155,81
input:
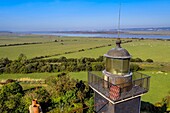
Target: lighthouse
x,y
118,90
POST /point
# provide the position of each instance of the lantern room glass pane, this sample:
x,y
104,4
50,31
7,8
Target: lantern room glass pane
x,y
117,66
125,66
108,64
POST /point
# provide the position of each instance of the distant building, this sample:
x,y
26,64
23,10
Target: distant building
x,y
120,90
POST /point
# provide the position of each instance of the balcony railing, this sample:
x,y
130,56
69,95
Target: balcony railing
x,y
139,85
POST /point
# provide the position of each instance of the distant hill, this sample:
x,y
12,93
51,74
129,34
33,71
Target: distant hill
x,y
5,32
143,31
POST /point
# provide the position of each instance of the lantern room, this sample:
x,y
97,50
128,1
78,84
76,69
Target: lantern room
x,y
117,60
117,69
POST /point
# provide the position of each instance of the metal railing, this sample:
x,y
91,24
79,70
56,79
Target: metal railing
x,y
139,85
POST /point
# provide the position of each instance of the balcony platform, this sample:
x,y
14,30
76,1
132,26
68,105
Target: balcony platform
x,y
139,86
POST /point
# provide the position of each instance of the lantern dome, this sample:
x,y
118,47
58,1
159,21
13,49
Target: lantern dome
x,y
118,52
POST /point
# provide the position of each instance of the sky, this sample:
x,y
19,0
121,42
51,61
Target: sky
x,y
53,15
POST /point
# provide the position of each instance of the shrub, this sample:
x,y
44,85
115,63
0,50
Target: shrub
x,y
42,96
10,97
138,60
51,80
149,60
98,67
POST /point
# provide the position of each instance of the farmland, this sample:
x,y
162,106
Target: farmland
x,y
155,49
49,46
71,47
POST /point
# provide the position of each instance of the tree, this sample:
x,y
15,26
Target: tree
x,y
98,67
22,58
4,62
10,97
42,96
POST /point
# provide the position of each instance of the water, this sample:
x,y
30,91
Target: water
x,y
104,35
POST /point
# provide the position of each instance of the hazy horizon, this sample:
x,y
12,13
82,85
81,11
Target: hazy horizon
x,y
60,15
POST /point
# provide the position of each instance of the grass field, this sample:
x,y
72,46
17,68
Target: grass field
x,y
51,48
24,39
157,50
31,76
159,84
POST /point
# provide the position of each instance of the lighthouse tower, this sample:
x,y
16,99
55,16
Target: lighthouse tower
x,y
119,90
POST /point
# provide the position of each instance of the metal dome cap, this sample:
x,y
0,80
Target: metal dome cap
x,y
118,52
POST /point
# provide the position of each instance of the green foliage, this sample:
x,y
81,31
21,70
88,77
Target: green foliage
x,y
136,60
67,93
100,59
40,94
22,65
12,88
98,66
149,60
90,103
147,107
166,100
51,80
22,58
10,98
62,94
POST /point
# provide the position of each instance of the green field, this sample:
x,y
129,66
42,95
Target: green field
x,y
159,86
157,50
24,39
50,48
31,76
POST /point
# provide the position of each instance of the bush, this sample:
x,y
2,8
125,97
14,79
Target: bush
x,y
138,60
51,80
10,98
98,67
149,60
42,96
